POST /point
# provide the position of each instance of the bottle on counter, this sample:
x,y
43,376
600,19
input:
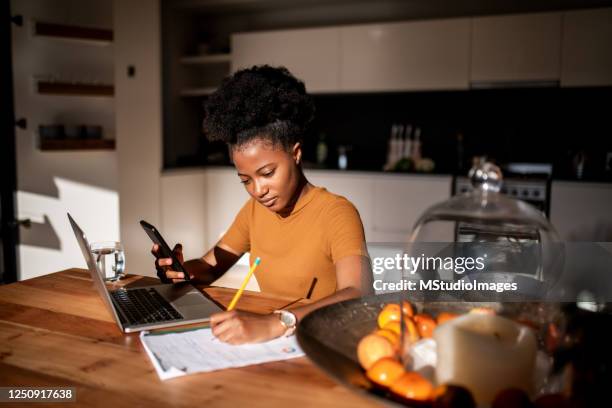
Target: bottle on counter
x,y
579,162
407,153
342,158
416,146
391,149
460,153
321,150
399,148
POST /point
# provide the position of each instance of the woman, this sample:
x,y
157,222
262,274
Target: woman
x,y
310,241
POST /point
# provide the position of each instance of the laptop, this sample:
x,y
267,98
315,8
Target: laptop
x,y
148,307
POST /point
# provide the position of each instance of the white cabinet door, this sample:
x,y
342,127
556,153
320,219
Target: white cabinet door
x,y
225,196
183,210
524,47
312,55
355,187
405,56
582,211
587,48
399,201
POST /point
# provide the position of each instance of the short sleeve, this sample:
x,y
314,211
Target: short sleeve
x,y
237,236
345,230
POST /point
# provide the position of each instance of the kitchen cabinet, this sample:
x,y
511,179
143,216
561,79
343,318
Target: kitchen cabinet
x,y
225,196
389,204
587,48
399,201
203,73
358,188
312,55
420,55
585,219
525,47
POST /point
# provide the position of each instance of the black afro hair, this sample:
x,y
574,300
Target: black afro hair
x,y
259,102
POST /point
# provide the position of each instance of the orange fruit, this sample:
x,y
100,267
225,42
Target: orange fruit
x,y
390,313
412,385
445,317
372,348
390,335
412,333
395,327
407,309
385,371
425,325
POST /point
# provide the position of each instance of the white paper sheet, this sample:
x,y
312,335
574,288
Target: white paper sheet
x,y
178,354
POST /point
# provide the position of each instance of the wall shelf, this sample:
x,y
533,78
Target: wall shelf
x,y
92,35
195,92
206,59
62,88
77,144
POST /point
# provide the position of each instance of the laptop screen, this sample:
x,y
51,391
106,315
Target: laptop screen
x,y
93,268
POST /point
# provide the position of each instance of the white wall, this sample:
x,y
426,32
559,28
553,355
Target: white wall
x,y
198,205
139,126
183,211
52,183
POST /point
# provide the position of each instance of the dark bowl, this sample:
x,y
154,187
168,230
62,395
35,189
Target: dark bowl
x,y
329,335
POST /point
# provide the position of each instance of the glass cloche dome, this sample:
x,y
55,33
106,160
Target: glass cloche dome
x,y
513,240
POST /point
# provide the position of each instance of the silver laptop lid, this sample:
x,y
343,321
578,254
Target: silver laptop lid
x,y
96,276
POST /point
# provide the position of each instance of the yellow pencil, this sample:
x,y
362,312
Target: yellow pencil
x,y
246,280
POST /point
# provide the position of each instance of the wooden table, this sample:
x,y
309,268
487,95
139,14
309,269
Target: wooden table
x,y
56,331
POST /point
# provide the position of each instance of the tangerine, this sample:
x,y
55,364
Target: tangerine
x,y
372,348
385,371
411,331
425,325
390,313
412,385
395,327
390,335
407,308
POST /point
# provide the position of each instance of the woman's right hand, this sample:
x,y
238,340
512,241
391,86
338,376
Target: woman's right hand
x,y
163,265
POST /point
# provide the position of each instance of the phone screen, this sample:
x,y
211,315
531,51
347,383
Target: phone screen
x,y
164,250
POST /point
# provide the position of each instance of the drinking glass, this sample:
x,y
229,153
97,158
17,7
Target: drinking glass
x,y
110,259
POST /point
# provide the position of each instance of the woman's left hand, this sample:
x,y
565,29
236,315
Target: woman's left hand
x,y
238,327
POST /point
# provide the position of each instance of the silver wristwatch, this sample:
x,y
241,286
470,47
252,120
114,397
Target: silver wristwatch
x,y
287,319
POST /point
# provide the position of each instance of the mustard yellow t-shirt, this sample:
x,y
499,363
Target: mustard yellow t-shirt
x,y
301,248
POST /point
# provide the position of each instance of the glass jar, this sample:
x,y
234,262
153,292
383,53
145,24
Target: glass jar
x,y
484,251
499,240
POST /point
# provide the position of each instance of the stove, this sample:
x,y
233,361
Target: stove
x,y
533,189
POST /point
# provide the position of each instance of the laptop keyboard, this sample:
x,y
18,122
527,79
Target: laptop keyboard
x,y
143,306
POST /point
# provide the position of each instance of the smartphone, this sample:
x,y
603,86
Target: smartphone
x,y
164,251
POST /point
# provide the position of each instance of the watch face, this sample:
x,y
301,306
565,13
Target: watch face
x,y
288,319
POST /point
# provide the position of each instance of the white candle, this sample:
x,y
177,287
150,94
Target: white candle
x,y
485,354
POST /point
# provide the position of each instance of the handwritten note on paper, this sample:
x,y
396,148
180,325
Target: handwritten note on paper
x,y
178,354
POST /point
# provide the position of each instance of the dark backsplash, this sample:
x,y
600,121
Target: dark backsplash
x,y
538,125
541,125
